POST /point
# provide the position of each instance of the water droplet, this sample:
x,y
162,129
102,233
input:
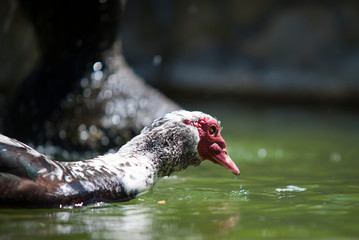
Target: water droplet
x,y
262,153
97,66
107,94
84,135
93,129
82,127
65,154
116,119
111,150
97,76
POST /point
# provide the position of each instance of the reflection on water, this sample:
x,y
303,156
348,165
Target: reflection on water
x,y
117,222
109,222
124,222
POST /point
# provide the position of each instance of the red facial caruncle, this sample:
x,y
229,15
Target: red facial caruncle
x,y
211,145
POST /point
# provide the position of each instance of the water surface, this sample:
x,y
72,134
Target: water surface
x,y
299,179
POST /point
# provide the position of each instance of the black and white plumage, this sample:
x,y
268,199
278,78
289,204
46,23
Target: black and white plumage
x,y
169,144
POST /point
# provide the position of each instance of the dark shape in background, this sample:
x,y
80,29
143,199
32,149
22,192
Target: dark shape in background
x,y
68,46
80,95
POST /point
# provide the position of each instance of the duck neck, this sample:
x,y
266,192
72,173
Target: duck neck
x,y
166,150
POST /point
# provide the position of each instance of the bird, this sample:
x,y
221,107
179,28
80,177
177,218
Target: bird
x,y
29,179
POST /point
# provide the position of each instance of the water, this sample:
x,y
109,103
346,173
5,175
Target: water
x,y
299,179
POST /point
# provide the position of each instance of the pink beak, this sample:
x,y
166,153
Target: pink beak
x,y
220,156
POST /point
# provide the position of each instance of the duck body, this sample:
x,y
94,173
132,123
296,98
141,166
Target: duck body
x,y
31,179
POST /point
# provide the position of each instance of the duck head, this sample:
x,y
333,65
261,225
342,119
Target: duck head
x,y
211,145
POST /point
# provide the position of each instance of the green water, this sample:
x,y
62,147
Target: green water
x,y
299,179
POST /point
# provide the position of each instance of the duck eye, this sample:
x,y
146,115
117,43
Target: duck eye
x,y
212,130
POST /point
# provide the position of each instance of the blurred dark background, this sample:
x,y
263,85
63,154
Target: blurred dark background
x,y
63,78
299,51
276,51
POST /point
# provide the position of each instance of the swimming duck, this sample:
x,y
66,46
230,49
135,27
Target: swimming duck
x,y
170,144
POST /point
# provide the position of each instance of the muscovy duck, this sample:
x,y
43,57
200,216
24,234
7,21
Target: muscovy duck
x,y
171,143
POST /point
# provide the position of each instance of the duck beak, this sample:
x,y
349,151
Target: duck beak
x,y
220,156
